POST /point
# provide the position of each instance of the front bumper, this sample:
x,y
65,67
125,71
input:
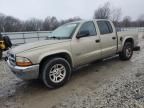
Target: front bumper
x,y
25,73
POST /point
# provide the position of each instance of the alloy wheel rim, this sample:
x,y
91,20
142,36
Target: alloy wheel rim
x,y
57,73
128,52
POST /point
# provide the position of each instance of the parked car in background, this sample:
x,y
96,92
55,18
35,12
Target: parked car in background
x,y
70,46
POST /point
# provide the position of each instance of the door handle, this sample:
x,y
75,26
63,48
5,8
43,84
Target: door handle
x,y
113,38
97,41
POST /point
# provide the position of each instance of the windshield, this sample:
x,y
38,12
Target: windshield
x,y
65,31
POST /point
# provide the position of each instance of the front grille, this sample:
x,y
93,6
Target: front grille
x,y
11,58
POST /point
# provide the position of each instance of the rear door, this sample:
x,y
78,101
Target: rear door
x,y
86,49
108,38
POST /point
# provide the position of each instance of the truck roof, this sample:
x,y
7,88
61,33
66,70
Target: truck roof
x,y
80,21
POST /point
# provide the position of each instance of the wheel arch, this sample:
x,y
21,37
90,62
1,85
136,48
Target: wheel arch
x,y
128,39
64,55
122,54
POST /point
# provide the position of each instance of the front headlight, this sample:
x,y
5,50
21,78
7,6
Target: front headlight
x,y
23,62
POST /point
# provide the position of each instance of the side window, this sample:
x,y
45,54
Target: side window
x,y
88,26
109,26
104,27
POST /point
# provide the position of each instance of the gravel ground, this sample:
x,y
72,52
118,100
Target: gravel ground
x,y
108,84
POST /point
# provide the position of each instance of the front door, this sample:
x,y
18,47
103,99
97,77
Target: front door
x,y
87,48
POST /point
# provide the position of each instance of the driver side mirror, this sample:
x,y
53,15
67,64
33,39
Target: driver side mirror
x,y
83,34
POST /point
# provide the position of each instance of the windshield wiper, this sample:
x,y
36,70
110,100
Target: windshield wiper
x,y
54,37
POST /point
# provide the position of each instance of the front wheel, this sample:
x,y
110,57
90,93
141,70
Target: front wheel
x,y
127,51
56,72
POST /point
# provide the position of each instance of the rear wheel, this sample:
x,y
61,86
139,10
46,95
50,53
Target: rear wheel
x,y
56,72
127,51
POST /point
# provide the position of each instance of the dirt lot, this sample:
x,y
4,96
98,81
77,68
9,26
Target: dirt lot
x,y
108,84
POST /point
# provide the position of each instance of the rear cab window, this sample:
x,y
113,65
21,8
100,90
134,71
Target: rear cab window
x,y
105,27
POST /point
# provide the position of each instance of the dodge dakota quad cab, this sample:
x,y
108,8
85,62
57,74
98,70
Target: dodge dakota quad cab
x,y
69,46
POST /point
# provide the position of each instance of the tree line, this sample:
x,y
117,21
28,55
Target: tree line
x,y
12,24
115,14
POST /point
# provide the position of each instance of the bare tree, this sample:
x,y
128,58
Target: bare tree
x,y
107,12
140,21
115,14
126,21
103,12
11,24
54,23
50,23
2,17
33,25
46,24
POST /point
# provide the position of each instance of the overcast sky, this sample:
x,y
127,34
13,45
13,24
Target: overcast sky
x,y
63,9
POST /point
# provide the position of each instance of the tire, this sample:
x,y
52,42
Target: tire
x,y
0,54
52,76
127,51
7,42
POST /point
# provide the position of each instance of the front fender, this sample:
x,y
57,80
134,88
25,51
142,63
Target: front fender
x,y
41,57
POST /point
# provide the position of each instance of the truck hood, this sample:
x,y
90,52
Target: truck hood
x,y
37,44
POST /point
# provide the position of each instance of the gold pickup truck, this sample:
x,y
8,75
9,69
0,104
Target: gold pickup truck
x,y
69,46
